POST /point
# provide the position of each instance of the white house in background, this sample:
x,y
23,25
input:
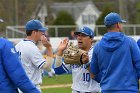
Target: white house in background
x,y
84,13
88,17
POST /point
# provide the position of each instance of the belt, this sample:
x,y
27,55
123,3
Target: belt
x,y
83,92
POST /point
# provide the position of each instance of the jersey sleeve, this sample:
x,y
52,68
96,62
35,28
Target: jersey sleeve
x,y
36,57
94,69
90,53
14,69
63,68
98,76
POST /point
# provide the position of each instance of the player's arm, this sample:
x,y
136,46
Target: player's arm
x,y
48,46
135,52
48,63
38,60
62,46
14,69
59,67
49,59
138,42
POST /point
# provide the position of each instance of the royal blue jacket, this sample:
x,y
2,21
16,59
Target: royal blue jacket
x,y
117,57
12,74
138,42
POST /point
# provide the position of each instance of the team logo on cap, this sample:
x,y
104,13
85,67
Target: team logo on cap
x,y
83,29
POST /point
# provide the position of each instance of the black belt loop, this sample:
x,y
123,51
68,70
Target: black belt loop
x,y
83,92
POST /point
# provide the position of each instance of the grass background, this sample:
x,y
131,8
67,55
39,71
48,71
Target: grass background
x,y
56,80
57,90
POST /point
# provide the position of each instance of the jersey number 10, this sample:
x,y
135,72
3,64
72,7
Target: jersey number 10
x,y
86,77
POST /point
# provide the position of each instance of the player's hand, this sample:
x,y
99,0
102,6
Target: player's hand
x,y
85,58
62,46
45,42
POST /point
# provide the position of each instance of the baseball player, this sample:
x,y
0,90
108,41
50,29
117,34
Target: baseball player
x,y
12,74
31,58
82,83
117,56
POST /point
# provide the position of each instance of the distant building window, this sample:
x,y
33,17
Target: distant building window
x,y
88,19
92,19
85,19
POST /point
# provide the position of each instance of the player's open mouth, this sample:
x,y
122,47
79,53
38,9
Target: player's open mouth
x,y
80,42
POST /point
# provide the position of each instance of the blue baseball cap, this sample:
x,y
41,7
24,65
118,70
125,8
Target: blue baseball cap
x,y
85,30
35,25
113,18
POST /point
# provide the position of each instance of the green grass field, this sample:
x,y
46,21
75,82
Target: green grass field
x,y
57,90
57,80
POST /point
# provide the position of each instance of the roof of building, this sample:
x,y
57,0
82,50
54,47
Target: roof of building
x,y
75,9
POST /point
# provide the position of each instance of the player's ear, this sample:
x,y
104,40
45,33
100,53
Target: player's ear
x,y
34,32
118,25
91,39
